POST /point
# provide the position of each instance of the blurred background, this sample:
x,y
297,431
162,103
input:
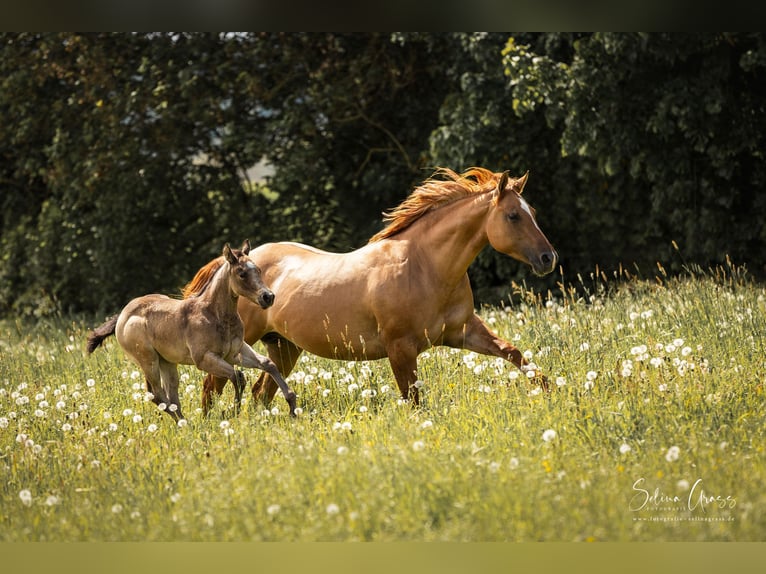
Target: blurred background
x,y
127,160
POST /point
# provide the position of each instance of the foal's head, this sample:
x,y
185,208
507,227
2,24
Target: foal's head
x,y
245,276
512,228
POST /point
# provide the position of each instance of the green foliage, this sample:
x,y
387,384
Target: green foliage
x,y
124,157
660,381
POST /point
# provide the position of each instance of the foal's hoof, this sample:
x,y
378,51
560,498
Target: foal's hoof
x,y
291,400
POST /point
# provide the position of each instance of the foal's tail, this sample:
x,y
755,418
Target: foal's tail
x,y
97,335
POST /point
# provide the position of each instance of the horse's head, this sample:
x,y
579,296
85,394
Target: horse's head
x,y
512,228
245,276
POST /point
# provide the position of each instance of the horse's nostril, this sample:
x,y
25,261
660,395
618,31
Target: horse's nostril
x,y
268,298
546,258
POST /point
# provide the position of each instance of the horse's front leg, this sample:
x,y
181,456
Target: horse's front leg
x,y
248,357
479,338
403,356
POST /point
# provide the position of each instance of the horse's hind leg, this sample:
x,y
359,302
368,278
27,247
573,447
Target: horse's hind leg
x,y
284,354
212,385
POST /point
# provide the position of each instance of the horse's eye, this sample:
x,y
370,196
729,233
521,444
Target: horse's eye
x,y
513,216
242,274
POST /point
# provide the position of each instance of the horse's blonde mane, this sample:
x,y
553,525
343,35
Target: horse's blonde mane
x,y
443,187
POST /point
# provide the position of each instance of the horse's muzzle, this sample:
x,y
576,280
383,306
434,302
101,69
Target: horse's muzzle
x,y
544,263
266,299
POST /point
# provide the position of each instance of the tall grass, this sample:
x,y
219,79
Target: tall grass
x,y
653,430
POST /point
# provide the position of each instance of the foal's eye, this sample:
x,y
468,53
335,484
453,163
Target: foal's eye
x,y
513,216
242,274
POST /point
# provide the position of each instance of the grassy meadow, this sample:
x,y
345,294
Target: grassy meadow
x,y
653,431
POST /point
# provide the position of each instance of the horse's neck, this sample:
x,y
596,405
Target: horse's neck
x,y
453,235
218,296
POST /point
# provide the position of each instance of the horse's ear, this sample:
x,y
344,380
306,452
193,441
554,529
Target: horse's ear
x,y
502,183
246,247
521,182
228,254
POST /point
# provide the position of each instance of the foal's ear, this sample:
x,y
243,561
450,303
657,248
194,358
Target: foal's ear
x,y
229,254
246,247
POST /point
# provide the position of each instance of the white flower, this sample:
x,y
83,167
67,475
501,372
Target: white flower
x,y
549,435
26,497
332,509
162,406
66,427
224,425
52,500
116,508
560,381
514,462
175,497
683,484
3,422
625,448
90,383
588,385
273,509
342,450
418,384
298,411
127,412
591,375
152,427
363,409
672,454
137,418
346,426
173,408
418,445
426,425
182,423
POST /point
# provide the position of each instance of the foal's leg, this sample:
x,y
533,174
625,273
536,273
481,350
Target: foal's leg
x,y
149,361
249,358
285,354
219,371
170,383
479,338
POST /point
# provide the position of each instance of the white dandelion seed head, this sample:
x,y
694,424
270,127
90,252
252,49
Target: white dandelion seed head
x,y
25,496
342,450
426,425
418,445
332,509
625,448
273,509
514,462
673,454
549,435
182,423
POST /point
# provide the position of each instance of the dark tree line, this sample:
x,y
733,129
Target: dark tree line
x,y
124,157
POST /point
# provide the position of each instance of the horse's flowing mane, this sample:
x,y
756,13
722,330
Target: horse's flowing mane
x,y
434,193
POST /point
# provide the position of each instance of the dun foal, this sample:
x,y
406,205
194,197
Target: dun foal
x,y
158,332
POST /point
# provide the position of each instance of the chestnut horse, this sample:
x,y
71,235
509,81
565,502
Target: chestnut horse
x,y
205,330
404,291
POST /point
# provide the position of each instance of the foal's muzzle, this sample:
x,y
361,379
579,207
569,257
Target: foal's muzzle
x,y
266,299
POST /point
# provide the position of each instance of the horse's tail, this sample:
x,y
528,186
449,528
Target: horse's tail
x,y
97,335
202,278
